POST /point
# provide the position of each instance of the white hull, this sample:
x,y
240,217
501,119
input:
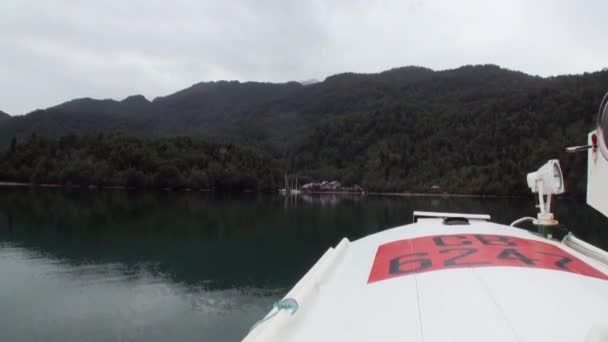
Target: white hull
x,y
477,282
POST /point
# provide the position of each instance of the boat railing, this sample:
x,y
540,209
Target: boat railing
x,y
586,249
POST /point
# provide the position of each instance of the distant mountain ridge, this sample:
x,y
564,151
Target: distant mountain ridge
x,y
277,115
3,115
204,109
250,112
309,81
404,128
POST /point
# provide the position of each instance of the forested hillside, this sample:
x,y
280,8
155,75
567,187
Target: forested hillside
x,y
120,160
475,129
210,109
461,141
3,115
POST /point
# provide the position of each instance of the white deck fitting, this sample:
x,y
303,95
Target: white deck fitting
x,y
431,214
490,303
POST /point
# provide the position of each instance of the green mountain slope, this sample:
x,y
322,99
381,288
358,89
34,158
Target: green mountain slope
x,y
472,129
211,109
462,140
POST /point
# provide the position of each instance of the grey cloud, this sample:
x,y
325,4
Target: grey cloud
x,y
56,50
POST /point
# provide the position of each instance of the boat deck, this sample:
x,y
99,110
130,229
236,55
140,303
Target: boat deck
x,y
431,282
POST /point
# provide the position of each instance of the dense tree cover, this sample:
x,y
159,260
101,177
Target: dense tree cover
x,y
120,160
468,141
475,129
4,116
415,149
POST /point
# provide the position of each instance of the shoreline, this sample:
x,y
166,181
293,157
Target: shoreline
x,y
456,195
91,187
371,193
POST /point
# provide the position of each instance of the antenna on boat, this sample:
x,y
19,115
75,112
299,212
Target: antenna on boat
x,y
546,181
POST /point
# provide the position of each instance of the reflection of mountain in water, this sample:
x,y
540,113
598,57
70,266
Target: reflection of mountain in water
x,y
193,239
330,199
225,242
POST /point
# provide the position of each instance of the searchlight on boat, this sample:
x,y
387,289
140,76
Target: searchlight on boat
x,y
547,181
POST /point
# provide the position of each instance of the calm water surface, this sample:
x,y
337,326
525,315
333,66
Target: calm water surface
x,y
114,266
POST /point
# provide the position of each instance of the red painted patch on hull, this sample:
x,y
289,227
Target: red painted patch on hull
x,y
439,252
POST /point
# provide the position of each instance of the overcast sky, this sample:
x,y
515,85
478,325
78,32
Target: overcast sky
x,y
55,50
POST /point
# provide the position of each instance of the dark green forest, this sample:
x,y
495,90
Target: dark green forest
x,y
117,159
475,129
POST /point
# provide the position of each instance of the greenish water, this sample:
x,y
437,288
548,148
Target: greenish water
x,y
115,266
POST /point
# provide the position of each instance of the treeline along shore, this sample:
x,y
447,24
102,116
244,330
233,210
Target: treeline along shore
x,y
119,160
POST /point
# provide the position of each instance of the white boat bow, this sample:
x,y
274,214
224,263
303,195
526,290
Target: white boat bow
x,y
431,281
